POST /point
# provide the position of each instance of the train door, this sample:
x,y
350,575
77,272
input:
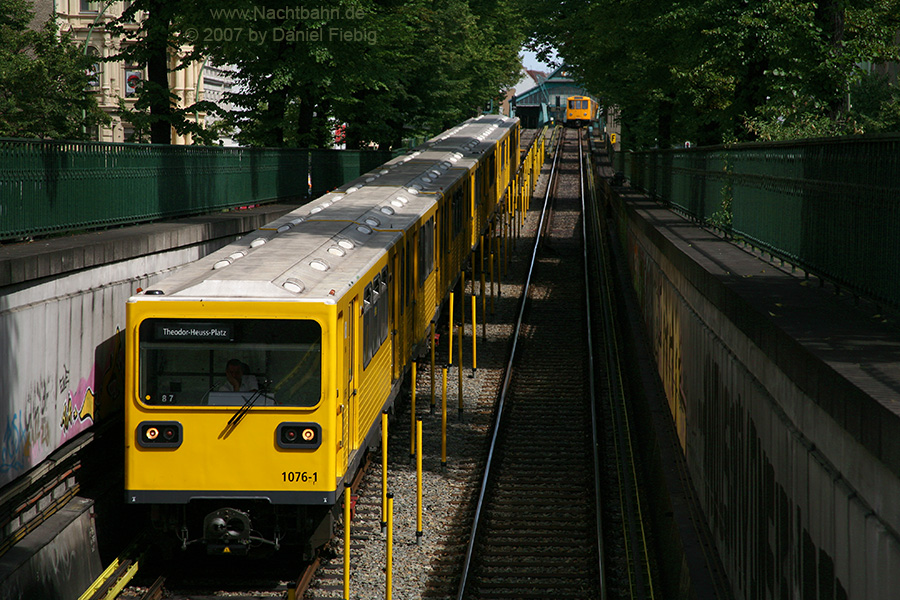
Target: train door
x,y
353,375
396,277
412,279
344,381
409,294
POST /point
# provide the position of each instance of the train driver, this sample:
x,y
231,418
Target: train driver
x,y
237,379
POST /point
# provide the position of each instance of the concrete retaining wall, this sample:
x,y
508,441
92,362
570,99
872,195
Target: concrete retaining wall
x,y
799,505
57,561
62,308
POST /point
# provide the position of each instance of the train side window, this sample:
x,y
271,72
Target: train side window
x,y
384,309
446,221
458,210
376,315
426,251
401,263
479,186
375,324
410,255
368,312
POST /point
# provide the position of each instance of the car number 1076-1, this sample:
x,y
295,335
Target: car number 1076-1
x,y
302,476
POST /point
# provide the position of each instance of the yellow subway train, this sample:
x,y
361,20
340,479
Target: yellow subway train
x,y
580,110
256,376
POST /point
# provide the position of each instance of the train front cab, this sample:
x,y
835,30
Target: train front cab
x,y
216,468
579,111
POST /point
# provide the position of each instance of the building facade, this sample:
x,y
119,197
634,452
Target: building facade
x,y
545,102
116,82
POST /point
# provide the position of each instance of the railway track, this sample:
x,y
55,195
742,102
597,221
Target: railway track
x,y
536,533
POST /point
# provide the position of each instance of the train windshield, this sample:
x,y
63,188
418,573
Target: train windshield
x,y
223,362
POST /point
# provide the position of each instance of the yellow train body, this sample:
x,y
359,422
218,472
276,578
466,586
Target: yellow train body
x,y
580,110
322,312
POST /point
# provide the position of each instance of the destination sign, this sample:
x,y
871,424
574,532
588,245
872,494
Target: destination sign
x,y
223,332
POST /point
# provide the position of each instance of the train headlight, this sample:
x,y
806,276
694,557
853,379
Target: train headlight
x,y
159,434
298,436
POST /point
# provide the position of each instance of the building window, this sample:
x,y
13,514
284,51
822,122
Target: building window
x,y
96,67
89,6
133,78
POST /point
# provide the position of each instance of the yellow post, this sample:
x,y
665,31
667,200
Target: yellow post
x,y
431,336
384,436
481,261
388,592
500,244
450,332
462,303
483,310
474,336
459,389
492,282
499,271
412,413
506,245
444,421
418,480
347,501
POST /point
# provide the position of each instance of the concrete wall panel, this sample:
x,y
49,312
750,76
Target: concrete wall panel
x,y
56,561
798,508
61,354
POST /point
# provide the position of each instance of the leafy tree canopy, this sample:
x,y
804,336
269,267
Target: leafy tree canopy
x,y
43,77
388,69
714,71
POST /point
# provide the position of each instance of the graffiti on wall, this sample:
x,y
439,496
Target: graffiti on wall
x,y
661,316
82,406
27,430
763,532
771,552
55,410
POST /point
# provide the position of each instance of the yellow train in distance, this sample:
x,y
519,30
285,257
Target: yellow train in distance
x,y
580,110
256,376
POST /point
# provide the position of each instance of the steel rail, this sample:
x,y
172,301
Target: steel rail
x,y
638,560
592,391
508,376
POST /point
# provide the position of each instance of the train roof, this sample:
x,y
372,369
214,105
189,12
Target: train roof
x,y
319,250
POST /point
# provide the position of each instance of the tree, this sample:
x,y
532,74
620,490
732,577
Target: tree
x,y
387,69
43,79
160,34
715,71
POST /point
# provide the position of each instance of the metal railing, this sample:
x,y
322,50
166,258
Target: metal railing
x,y
831,206
57,187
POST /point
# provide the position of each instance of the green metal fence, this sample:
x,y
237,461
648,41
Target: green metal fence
x,y
830,206
56,187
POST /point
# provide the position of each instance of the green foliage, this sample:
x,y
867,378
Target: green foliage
x,y
43,77
714,71
875,104
159,36
387,69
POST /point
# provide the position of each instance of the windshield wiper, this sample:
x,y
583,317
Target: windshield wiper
x,y
243,410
